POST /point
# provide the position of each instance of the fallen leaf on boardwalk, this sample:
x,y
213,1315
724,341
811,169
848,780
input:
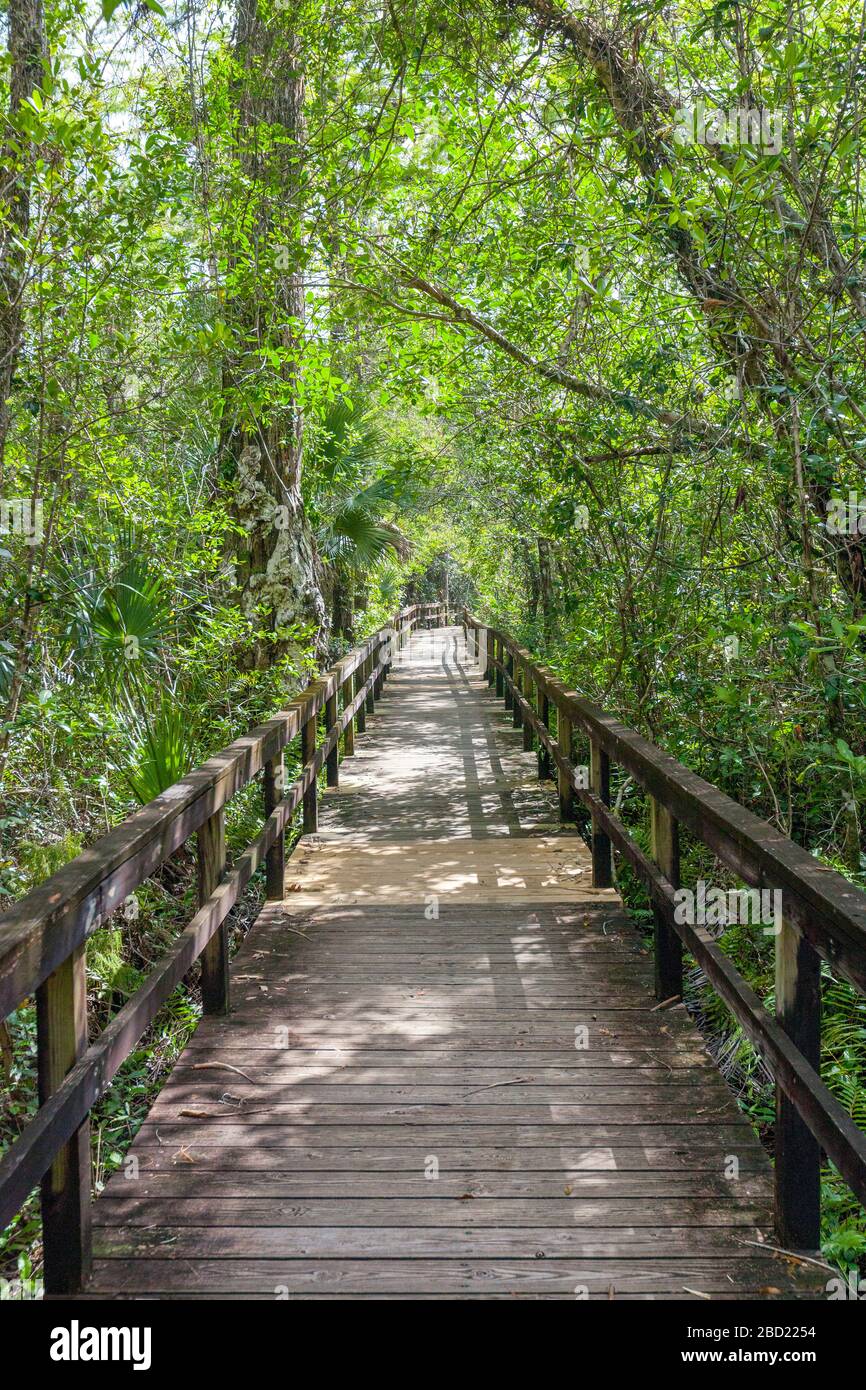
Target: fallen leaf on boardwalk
x,y
195,1114
466,1196
568,1191
293,887
183,1154
769,1289
697,1293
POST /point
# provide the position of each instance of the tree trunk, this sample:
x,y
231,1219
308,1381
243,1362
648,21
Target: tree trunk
x,y
546,580
27,51
277,569
532,583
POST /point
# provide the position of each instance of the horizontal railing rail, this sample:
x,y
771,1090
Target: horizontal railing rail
x,y
43,936
823,915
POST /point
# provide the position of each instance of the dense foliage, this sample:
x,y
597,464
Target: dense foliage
x,y
307,309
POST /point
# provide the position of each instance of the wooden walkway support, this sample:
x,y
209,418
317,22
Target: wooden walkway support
x,y
438,1066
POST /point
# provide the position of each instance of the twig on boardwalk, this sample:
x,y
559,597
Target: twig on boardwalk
x,y
518,1081
667,1003
789,1254
226,1066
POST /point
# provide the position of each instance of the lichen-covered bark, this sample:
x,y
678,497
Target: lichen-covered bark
x,y
277,569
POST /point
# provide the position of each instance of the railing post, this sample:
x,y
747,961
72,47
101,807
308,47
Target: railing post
x,y
500,657
311,795
516,712
357,685
61,1023
332,762
509,671
528,731
275,862
665,850
544,712
797,1152
215,956
566,790
599,779
346,690
371,696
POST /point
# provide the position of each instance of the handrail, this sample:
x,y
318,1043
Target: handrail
x,y
43,936
824,916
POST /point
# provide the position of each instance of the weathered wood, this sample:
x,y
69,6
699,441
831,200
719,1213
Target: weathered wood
x,y
361,715
566,790
371,691
665,842
484,656
629,1276
544,759
499,657
797,1151
691,1160
594,1214
599,781
516,694
61,1023
332,763
275,871
309,733
621,1190
215,956
346,695
529,686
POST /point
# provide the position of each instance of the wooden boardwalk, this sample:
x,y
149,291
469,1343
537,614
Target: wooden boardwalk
x,y
444,1074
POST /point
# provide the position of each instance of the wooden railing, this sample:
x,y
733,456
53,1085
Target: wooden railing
x,y
823,915
43,936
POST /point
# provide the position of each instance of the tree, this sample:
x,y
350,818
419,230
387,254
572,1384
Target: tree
x,y
263,430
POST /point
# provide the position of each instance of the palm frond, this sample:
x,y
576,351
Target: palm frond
x,y
161,751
